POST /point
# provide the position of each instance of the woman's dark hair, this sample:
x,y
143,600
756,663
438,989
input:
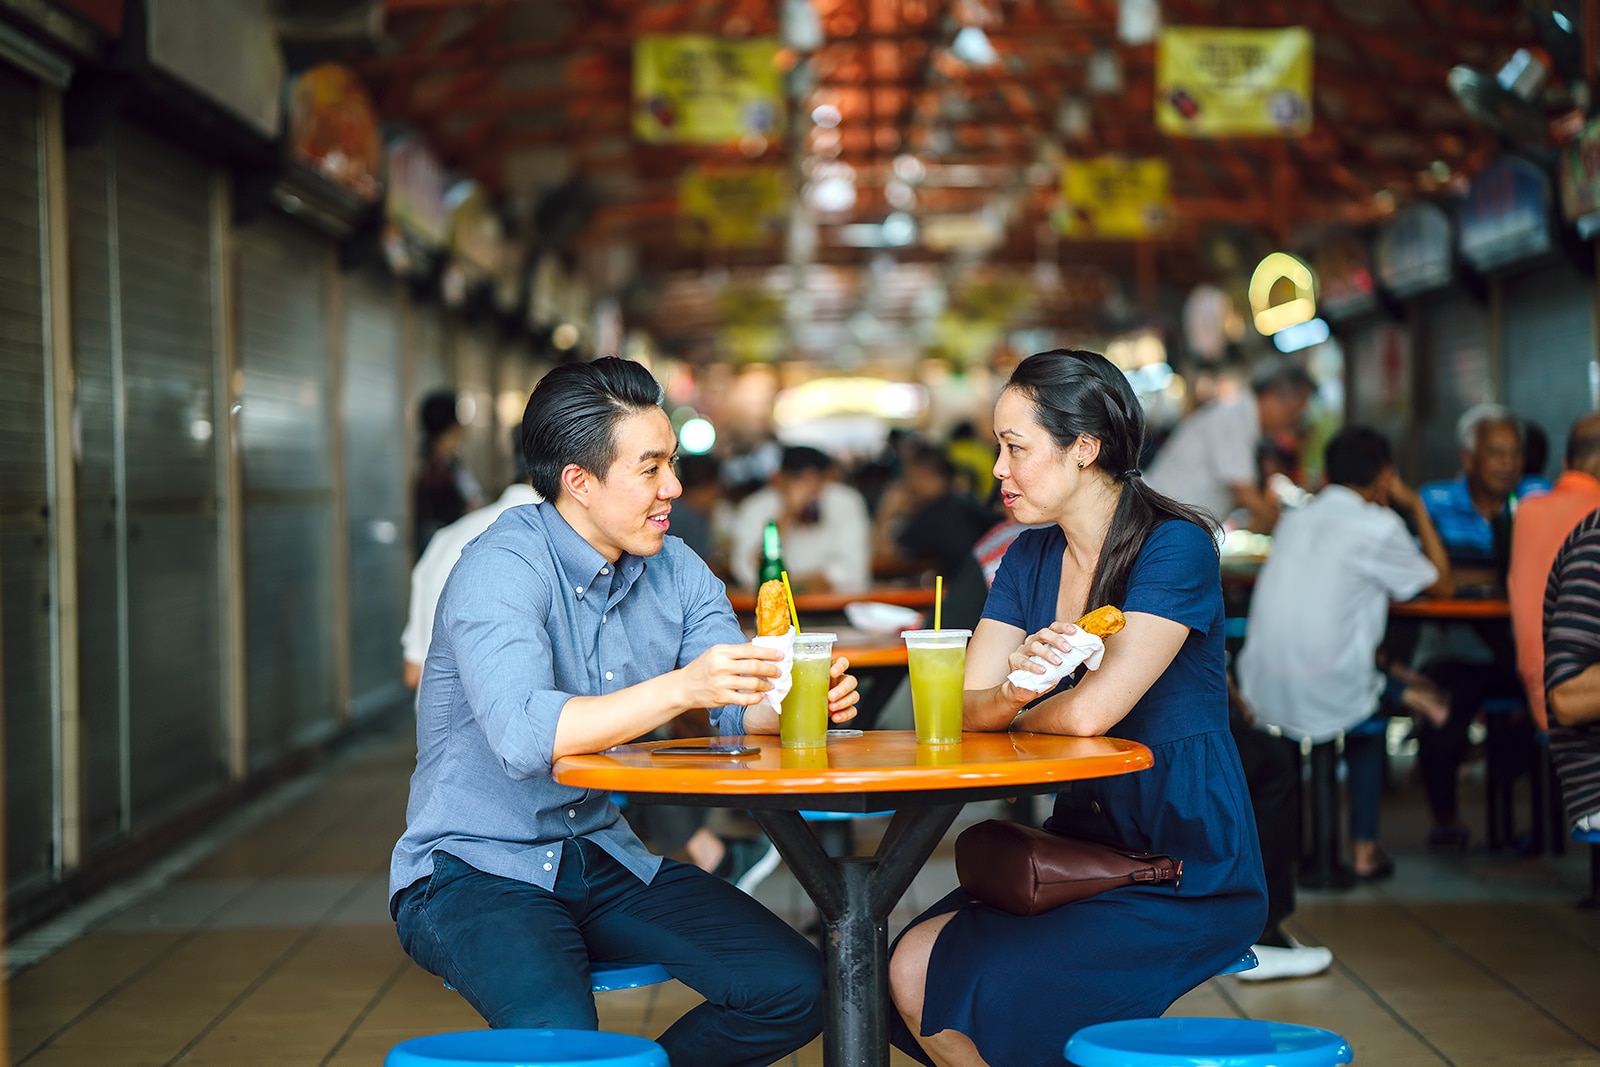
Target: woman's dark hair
x,y
1355,456
572,417
1083,393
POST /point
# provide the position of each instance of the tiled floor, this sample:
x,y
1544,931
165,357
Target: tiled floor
x,y
276,948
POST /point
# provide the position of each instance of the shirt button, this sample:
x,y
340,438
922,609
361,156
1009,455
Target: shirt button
x,y
604,571
580,590
549,853
605,618
608,676
548,867
572,813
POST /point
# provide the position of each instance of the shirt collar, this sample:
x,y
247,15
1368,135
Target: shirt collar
x,y
581,562
1577,481
1337,493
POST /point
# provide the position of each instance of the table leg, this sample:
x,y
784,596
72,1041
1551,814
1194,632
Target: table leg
x,y
855,895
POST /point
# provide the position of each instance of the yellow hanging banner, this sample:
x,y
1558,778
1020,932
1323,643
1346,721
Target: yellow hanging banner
x,y
727,207
694,89
1234,83
1116,198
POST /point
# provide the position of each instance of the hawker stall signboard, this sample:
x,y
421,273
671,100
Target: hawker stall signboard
x,y
694,89
1343,266
1413,252
333,129
1505,218
730,207
1233,83
1115,198
1579,176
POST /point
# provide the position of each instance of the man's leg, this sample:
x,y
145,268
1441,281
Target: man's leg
x,y
1272,773
762,981
511,949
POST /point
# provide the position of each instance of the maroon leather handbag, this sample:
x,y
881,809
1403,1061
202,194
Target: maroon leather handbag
x,y
1026,871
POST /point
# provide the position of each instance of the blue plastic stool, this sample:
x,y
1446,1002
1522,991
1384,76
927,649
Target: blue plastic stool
x,y
608,977
1205,1043
1247,962
527,1048
1593,838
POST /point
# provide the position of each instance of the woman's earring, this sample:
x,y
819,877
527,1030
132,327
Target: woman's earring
x,y
1080,464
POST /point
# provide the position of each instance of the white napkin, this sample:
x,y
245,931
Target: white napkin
x,y
1086,649
773,698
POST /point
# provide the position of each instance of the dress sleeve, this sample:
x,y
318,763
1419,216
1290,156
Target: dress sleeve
x,y
1177,576
1006,602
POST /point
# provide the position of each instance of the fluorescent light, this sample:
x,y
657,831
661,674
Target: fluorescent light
x,y
697,436
1304,335
972,47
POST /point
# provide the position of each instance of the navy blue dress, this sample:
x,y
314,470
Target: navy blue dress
x,y
1020,986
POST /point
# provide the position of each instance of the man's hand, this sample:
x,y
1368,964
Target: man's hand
x,y
729,674
842,697
1401,496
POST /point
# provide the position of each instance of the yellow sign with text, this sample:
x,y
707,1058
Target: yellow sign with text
x,y
695,89
1115,198
1234,83
729,208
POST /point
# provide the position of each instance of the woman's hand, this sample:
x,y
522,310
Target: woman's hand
x,y
1048,644
842,697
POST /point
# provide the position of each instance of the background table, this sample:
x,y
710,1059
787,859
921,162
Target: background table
x,y
926,785
833,603
1448,609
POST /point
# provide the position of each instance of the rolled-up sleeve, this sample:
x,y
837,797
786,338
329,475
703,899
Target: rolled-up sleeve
x,y
494,613
708,620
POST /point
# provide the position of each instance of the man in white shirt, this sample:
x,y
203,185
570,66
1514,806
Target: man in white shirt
x,y
1210,459
824,527
1320,609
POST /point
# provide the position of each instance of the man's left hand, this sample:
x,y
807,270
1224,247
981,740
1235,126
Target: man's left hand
x,y
842,697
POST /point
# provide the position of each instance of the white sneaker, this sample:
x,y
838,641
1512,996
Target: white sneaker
x,y
1298,961
758,871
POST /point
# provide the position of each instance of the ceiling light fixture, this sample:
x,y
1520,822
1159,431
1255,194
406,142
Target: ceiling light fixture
x,y
972,47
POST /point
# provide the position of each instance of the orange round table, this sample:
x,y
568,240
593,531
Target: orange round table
x,y
925,785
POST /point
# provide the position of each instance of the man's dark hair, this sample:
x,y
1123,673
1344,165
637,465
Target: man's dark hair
x,y
1583,443
572,417
438,412
695,471
1356,456
931,459
1281,376
797,459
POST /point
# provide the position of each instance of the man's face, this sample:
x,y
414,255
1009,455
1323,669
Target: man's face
x,y
1282,409
1494,464
802,489
629,507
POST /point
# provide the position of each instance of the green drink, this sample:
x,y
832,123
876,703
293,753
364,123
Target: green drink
x,y
938,664
804,721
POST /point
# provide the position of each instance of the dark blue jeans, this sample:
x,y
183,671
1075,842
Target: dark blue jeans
x,y
520,954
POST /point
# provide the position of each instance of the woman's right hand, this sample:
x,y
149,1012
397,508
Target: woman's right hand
x,y
730,674
1047,645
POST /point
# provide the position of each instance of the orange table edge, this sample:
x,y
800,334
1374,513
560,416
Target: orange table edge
x,y
1446,608
833,603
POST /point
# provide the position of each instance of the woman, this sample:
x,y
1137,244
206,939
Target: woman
x,y
975,985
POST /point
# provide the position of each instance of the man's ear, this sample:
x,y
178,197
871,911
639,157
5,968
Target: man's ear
x,y
577,483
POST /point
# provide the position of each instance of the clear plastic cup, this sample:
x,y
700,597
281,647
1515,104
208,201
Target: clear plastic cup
x,y
803,720
938,663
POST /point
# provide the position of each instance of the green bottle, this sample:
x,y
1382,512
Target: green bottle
x,y
772,567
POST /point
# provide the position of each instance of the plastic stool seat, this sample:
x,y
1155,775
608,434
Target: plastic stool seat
x,y
527,1048
606,977
1205,1043
841,816
1591,836
1247,962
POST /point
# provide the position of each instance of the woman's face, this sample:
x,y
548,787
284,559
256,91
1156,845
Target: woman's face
x,y
1036,477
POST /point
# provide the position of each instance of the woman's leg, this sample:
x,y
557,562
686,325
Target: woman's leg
x,y
908,983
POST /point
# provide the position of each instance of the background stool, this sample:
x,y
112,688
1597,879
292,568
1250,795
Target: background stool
x,y
527,1048
1593,838
1205,1043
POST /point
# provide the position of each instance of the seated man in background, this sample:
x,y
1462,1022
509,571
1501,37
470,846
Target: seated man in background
x,y
1473,663
1541,524
568,627
824,527
1572,671
1318,616
926,517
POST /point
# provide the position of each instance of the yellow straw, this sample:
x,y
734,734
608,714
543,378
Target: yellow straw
x,y
794,616
938,600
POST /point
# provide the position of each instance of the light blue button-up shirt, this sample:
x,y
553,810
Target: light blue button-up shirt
x,y
531,616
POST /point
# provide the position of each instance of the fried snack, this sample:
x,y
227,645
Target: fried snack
x,y
772,610
1102,621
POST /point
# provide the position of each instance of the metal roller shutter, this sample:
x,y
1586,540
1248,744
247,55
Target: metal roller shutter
x,y
374,451
25,633
102,588
1549,350
1454,355
168,330
474,347
287,485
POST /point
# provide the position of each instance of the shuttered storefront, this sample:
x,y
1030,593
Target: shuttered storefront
x,y
1453,352
287,483
1549,351
375,447
25,534
167,318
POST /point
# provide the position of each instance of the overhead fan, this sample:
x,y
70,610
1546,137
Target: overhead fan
x,y
1556,23
1490,100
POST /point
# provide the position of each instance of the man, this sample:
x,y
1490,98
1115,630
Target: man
x,y
824,527
1572,671
1317,618
444,548
1542,523
445,489
927,518
1210,461
1473,513
569,627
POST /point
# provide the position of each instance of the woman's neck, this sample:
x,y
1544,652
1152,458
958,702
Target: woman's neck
x,y
1087,520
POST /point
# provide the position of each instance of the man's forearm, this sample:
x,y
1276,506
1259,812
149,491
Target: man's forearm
x,y
1433,548
1577,700
596,723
